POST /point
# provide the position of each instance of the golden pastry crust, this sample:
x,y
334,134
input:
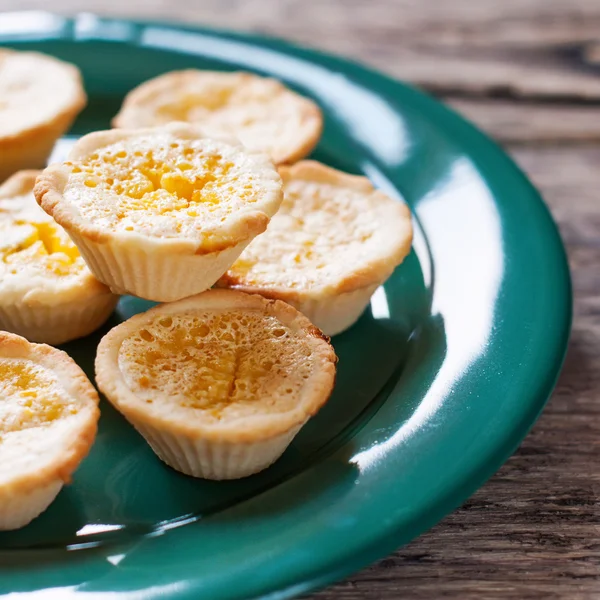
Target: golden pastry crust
x,y
248,430
42,96
71,443
263,113
333,241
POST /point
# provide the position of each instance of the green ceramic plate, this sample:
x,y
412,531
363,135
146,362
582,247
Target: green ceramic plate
x,y
438,382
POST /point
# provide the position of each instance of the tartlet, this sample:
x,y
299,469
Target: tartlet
x,y
261,112
160,213
41,96
47,425
334,240
47,293
218,384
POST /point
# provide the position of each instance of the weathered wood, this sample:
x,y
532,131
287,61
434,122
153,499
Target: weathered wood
x,y
531,122
529,72
501,73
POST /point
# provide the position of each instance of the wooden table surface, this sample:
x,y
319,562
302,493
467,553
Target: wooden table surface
x,y
528,71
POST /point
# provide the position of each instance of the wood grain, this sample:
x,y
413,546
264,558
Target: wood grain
x,y
528,71
530,122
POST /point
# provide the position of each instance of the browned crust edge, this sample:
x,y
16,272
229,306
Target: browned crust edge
x,y
78,385
111,382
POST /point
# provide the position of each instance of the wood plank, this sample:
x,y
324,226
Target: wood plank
x,y
500,73
504,20
531,122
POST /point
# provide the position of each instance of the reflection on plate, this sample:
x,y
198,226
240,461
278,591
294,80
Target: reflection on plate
x,y
438,381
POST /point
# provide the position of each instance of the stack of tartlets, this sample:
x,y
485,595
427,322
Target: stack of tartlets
x,y
194,187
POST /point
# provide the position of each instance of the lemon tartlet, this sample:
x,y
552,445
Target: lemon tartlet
x,y
48,419
218,384
41,96
160,213
334,240
47,293
261,112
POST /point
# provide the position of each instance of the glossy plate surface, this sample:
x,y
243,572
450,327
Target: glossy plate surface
x,y
438,382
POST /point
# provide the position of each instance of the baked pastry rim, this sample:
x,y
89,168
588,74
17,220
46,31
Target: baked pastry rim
x,y
73,381
112,384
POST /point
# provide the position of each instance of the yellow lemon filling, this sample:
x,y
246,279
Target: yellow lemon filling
x,y
223,364
43,246
30,396
162,185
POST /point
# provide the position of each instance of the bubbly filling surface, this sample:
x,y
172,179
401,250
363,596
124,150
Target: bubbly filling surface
x,y
320,233
30,396
41,248
164,186
217,364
